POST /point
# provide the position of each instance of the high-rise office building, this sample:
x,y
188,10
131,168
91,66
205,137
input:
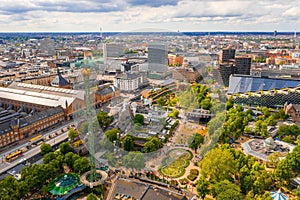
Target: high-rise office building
x,y
157,59
242,65
225,71
231,64
112,50
227,55
47,46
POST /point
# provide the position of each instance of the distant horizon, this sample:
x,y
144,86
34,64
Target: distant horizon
x,y
278,32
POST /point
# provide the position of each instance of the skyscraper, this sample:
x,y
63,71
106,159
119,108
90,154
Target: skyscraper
x,y
227,55
157,59
112,50
242,65
231,64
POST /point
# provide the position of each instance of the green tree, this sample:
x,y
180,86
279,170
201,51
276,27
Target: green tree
x,y
10,188
266,112
174,113
112,134
128,143
297,193
134,160
229,103
45,148
81,165
206,103
251,196
70,158
138,119
72,133
218,165
65,147
152,144
281,114
104,119
274,159
187,99
247,130
202,188
292,130
195,140
290,166
92,196
44,189
260,177
226,190
161,101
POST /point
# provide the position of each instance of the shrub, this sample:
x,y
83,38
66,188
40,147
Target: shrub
x,y
193,174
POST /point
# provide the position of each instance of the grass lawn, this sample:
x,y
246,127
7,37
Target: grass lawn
x,y
172,171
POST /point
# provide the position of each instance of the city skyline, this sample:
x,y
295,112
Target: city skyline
x,y
137,15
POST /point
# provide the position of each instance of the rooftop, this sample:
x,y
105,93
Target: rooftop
x,y
262,149
243,83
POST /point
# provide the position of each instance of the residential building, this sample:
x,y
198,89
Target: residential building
x,y
293,110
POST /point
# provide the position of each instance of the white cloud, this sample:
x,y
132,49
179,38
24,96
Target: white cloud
x,y
127,15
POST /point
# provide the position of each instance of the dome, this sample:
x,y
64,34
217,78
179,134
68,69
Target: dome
x,y
269,141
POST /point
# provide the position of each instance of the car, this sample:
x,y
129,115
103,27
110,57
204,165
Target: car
x,y
22,160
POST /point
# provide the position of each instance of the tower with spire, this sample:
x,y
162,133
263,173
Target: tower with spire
x,y
296,42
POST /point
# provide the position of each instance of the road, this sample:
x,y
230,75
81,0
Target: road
x,y
3,154
34,151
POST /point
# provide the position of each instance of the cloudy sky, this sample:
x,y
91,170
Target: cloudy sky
x,y
139,15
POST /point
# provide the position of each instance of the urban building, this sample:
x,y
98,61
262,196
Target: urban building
x,y
175,60
231,64
157,60
47,46
19,125
263,148
43,97
275,98
245,83
225,71
60,81
187,74
199,116
227,55
129,82
242,65
138,189
293,110
112,50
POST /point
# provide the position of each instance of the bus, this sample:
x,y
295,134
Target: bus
x,y
36,138
13,156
